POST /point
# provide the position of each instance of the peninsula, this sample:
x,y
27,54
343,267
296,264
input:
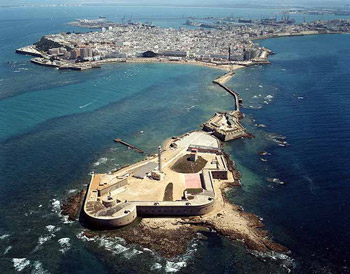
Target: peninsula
x,y
183,186
178,191
221,44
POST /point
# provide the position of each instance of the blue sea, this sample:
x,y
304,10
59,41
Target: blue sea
x,y
58,127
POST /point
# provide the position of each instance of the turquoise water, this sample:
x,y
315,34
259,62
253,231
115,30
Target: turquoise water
x,y
57,127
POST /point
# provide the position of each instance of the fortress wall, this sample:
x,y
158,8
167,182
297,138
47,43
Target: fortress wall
x,y
116,185
112,222
175,210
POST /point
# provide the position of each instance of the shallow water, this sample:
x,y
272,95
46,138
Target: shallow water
x,y
57,127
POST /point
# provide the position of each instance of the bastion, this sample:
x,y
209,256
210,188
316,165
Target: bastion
x,y
143,189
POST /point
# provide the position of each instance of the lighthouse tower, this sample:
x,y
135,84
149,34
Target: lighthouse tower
x,y
158,174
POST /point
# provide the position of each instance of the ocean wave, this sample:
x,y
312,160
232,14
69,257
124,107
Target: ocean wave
x,y
82,237
52,228
172,267
284,260
88,104
100,161
191,107
4,236
56,208
111,245
7,249
65,244
38,268
156,266
20,263
114,245
44,239
131,253
269,98
255,107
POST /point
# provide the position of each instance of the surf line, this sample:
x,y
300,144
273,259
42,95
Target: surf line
x,y
88,104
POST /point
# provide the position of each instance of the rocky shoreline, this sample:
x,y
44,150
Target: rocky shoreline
x,y
72,205
170,237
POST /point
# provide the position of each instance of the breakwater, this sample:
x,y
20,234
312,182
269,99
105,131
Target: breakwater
x,y
120,141
233,93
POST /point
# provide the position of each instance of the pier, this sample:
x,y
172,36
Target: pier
x,y
120,141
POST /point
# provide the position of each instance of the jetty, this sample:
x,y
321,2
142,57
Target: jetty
x,y
120,141
233,93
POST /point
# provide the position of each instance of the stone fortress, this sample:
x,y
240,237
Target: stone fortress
x,y
179,181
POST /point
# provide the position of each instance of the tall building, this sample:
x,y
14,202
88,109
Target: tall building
x,y
75,53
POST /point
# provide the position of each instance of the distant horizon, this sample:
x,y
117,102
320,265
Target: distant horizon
x,y
191,3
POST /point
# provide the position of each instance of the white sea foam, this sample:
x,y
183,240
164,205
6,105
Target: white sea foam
x,y
65,244
38,268
56,208
269,97
156,266
286,261
88,104
255,107
100,161
131,253
72,191
20,263
50,228
4,236
7,249
111,245
44,239
174,266
82,237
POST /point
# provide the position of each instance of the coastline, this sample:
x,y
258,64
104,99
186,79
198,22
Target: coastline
x,y
161,233
170,237
42,61
306,33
